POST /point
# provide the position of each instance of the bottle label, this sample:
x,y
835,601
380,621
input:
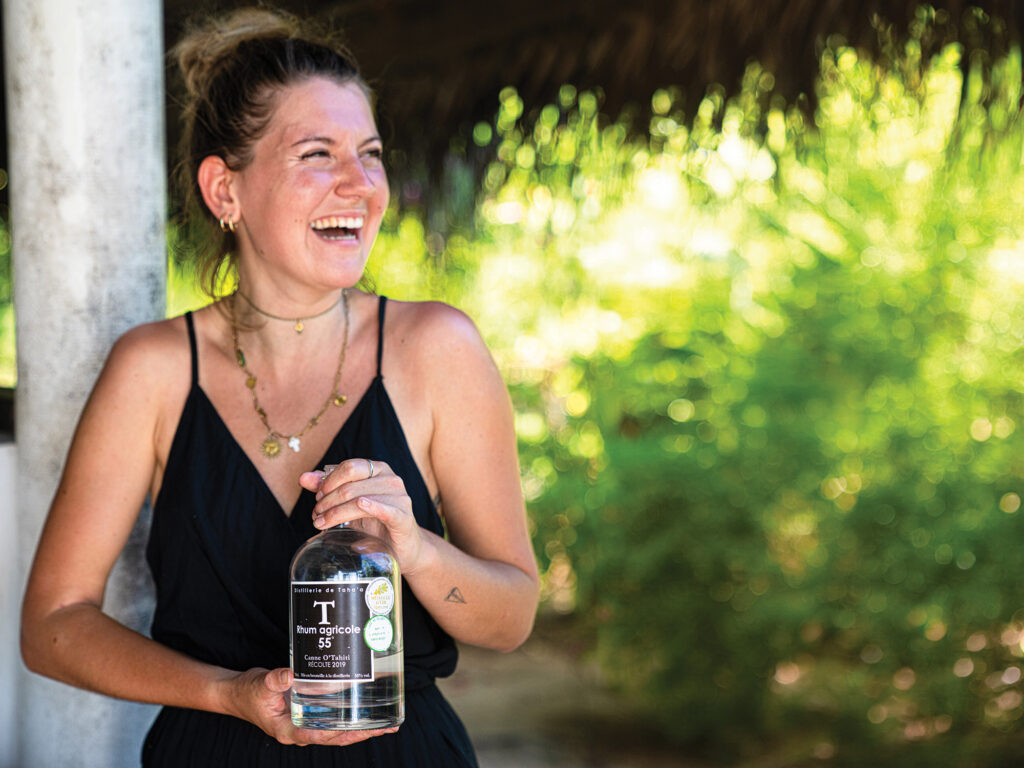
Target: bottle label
x,y
329,623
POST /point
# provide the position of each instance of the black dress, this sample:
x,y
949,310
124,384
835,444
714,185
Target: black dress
x,y
220,548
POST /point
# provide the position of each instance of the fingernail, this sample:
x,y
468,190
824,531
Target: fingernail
x,y
318,521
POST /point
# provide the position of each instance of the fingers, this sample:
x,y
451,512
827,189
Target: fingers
x,y
306,736
278,680
354,478
351,471
335,509
354,470
273,715
311,480
356,489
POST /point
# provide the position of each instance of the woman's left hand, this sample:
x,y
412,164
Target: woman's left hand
x,y
359,488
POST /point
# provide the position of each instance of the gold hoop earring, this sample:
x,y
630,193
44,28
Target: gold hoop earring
x,y
227,225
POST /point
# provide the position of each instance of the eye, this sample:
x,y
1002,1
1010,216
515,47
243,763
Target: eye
x,y
374,154
314,154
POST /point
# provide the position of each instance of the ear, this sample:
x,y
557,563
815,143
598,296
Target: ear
x,y
216,182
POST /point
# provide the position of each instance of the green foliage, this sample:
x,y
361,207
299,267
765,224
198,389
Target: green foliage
x,y
767,378
7,364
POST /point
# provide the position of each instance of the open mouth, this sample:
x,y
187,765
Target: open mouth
x,y
338,228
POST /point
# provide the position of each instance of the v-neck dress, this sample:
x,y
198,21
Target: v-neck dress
x,y
220,548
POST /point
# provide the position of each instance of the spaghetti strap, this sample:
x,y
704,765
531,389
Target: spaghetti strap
x,y
192,346
380,332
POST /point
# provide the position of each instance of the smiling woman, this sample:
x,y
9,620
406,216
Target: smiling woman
x,y
228,416
312,196
226,123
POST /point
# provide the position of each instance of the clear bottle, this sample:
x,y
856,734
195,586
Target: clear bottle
x,y
346,630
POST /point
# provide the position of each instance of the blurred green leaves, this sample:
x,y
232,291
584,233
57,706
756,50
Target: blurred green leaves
x,y
767,376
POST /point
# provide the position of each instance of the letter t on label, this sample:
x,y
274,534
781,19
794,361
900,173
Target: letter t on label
x,y
323,609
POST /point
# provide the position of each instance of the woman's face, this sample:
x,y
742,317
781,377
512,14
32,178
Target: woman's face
x,y
312,198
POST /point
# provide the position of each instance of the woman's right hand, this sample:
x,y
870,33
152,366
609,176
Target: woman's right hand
x,y
261,697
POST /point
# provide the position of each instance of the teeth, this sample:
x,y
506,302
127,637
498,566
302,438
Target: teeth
x,y
334,222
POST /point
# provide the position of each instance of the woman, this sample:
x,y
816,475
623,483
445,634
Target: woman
x,y
222,414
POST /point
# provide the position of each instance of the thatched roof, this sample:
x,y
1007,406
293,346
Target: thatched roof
x,y
439,66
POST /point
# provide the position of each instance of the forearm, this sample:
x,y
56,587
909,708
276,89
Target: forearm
x,y
82,646
480,602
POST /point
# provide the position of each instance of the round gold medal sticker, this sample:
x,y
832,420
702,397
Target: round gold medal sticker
x,y
380,596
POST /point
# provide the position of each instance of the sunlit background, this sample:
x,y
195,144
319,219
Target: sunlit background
x,y
768,377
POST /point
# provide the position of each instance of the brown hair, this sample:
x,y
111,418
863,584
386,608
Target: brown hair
x,y
233,66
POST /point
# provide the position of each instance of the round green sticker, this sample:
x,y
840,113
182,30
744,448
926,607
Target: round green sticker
x,y
378,633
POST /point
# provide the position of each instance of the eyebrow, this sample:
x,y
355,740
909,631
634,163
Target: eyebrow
x,y
332,142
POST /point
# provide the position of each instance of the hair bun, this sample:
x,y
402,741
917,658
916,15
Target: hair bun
x,y
204,48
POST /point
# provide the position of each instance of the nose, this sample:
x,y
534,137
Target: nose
x,y
354,180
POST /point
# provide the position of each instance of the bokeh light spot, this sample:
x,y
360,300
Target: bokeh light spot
x,y
981,429
963,667
681,410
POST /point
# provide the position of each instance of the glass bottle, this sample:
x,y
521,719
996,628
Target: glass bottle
x,y
345,626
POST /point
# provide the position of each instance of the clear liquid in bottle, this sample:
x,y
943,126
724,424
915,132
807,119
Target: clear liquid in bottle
x,y
346,630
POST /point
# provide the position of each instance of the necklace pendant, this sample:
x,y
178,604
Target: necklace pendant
x,y
339,400
299,327
270,448
294,443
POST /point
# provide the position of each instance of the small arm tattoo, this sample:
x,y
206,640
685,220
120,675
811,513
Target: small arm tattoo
x,y
455,596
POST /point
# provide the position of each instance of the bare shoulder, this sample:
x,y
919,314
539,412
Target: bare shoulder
x,y
444,364
157,337
147,375
436,331
153,352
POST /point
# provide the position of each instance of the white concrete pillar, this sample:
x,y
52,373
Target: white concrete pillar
x,y
86,143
